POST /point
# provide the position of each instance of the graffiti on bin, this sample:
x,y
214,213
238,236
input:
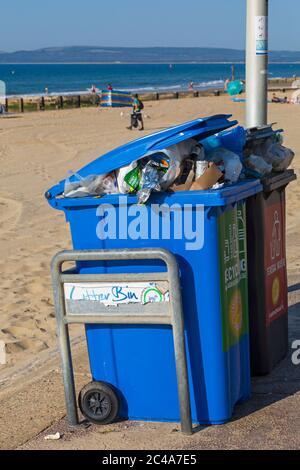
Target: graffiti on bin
x,y
114,294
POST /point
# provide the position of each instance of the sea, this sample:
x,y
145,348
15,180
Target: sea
x,y
33,79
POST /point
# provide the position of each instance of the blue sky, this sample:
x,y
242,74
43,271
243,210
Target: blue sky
x,y
31,24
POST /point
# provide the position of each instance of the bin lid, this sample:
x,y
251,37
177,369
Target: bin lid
x,y
278,180
261,132
122,156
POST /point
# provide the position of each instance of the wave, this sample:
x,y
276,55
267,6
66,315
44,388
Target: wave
x,y
133,89
177,87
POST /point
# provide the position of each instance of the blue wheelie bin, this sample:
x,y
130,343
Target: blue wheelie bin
x,y
206,231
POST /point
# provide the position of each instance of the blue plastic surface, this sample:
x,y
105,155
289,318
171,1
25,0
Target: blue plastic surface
x,y
233,140
198,129
139,360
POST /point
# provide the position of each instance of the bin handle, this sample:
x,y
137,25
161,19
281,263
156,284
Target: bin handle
x,y
51,194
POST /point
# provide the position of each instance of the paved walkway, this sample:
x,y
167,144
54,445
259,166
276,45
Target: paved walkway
x,y
270,420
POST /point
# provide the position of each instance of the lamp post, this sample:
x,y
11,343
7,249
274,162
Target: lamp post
x,y
256,63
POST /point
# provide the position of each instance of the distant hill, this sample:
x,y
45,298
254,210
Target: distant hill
x,y
136,54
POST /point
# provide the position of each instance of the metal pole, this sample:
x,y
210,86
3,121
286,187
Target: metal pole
x,y
64,343
232,72
179,348
256,63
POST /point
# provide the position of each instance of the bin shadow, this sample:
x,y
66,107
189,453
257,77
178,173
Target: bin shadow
x,y
282,382
294,287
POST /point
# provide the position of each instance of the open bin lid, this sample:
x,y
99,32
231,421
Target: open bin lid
x,y
122,156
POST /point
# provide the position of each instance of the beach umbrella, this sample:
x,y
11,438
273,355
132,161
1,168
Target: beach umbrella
x,y
235,88
256,63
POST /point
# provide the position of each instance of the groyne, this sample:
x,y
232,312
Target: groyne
x,y
23,104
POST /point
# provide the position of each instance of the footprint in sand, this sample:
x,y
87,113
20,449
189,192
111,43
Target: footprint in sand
x,y
22,338
35,345
10,213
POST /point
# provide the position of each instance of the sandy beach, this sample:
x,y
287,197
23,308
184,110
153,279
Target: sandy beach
x,y
36,151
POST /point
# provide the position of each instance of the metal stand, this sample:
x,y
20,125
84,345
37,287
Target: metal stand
x,y
165,313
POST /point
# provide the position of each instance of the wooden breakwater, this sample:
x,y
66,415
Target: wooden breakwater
x,y
42,103
49,102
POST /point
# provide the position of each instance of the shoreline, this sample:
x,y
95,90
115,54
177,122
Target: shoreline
x,y
144,63
79,99
282,82
216,84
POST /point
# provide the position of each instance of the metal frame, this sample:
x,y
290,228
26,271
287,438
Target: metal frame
x,y
173,315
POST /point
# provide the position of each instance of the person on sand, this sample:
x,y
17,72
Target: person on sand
x,y
136,116
191,86
93,89
277,99
226,83
109,87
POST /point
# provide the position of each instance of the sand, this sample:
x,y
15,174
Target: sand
x,y
36,151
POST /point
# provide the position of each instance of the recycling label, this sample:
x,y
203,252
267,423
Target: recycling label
x,y
233,272
275,262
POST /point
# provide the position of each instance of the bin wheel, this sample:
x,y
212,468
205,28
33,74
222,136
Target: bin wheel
x,y
98,403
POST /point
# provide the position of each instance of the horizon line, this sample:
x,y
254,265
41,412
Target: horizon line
x,y
140,47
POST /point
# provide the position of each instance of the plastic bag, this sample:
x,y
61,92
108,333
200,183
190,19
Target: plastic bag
x,y
92,185
150,182
258,164
128,178
201,167
278,156
232,163
174,154
201,163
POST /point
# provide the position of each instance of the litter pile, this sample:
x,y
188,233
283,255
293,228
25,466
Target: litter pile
x,y
219,160
262,156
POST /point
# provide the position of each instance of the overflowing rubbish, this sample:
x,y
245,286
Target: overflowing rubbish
x,y
92,185
258,165
264,155
210,177
231,162
219,160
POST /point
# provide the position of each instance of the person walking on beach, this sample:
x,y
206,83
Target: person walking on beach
x,y
136,116
109,87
